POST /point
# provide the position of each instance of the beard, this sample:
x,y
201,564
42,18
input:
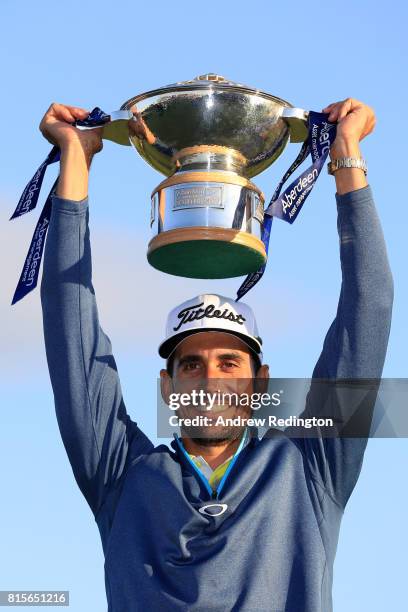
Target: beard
x,y
203,437
216,435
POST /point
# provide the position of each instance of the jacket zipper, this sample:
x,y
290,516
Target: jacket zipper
x,y
195,468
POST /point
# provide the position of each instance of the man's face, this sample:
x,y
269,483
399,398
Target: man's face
x,y
212,355
212,362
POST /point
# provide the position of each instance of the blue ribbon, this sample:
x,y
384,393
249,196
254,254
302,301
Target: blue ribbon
x,y
288,205
96,118
28,201
29,197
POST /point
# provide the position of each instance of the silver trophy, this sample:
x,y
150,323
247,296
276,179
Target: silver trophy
x,y
209,137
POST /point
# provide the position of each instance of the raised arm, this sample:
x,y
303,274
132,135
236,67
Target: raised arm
x,y
98,435
356,342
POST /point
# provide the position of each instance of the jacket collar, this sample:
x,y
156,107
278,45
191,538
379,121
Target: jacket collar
x,y
177,442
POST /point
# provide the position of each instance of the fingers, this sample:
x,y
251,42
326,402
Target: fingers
x,y
63,112
354,119
78,113
338,110
371,122
347,106
328,108
57,127
333,110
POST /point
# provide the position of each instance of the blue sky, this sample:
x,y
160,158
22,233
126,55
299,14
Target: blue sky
x,y
308,53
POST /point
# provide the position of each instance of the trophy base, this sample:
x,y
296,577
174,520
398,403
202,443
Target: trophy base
x,y
204,252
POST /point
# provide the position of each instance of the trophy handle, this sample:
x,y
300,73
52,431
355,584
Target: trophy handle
x,y
296,118
117,129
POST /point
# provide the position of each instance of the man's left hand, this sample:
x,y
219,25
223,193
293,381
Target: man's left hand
x,y
355,121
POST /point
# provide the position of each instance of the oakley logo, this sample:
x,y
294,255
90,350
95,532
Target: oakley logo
x,y
194,313
213,509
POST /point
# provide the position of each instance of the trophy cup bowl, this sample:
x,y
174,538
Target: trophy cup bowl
x,y
209,137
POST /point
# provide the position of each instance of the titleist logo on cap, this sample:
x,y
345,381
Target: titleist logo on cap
x,y
194,313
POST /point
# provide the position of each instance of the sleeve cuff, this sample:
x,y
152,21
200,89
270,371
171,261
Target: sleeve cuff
x,y
356,197
74,207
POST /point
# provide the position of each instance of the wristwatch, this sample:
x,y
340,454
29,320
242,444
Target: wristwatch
x,y
347,162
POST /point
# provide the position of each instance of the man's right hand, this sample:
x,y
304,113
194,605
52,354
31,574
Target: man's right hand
x,y
56,127
77,148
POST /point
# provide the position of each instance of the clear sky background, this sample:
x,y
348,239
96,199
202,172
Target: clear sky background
x,y
103,53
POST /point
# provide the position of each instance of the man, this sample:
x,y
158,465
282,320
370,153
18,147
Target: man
x,y
232,523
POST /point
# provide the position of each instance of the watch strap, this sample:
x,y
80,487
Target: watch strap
x,y
347,162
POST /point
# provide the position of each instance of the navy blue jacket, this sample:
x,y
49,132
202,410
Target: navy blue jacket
x,y
273,548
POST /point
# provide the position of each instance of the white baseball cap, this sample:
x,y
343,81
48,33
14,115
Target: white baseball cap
x,y
211,312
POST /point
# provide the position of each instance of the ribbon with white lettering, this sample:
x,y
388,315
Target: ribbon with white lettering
x,y
288,205
29,274
29,197
28,201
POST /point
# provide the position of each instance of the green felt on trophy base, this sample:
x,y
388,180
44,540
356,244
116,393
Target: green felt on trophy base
x,y
206,259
